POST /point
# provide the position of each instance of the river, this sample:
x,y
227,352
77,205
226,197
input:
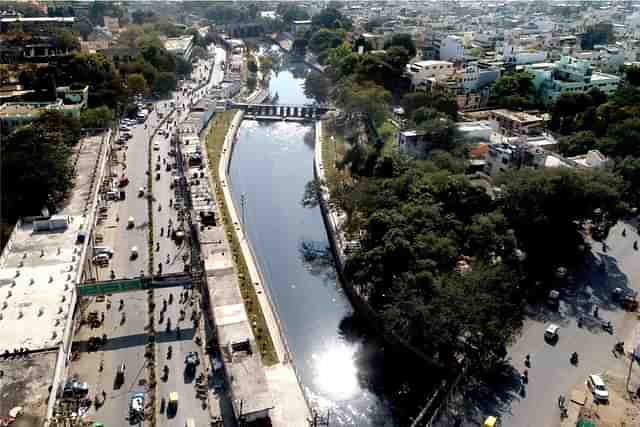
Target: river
x,y
271,164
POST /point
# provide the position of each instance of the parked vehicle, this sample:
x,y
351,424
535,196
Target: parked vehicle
x,y
598,388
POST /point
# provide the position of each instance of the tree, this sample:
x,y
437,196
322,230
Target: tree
x,y
514,90
251,83
252,66
96,118
266,64
183,67
37,159
96,71
198,53
140,17
559,202
317,86
83,27
324,39
330,18
165,83
578,143
292,12
137,84
365,98
403,40
66,40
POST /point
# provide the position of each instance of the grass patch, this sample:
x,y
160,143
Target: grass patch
x,y
333,151
216,133
387,132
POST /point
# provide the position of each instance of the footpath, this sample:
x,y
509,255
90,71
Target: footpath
x,y
291,408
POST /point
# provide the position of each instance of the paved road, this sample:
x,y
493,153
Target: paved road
x,y
126,339
171,256
551,374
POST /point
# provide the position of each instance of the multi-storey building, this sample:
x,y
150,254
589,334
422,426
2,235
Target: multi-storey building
x,y
570,75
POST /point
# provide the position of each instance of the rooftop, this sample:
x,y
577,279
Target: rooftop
x,y
39,19
39,269
517,116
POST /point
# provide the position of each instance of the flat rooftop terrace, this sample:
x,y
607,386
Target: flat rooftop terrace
x,y
39,269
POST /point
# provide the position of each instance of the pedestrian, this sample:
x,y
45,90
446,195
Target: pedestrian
x,y
595,312
104,395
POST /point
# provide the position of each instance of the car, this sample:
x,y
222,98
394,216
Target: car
x,y
598,388
125,128
551,333
156,146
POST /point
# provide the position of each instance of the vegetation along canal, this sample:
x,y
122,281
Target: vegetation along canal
x,y
271,164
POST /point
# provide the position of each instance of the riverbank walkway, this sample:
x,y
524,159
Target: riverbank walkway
x,y
291,408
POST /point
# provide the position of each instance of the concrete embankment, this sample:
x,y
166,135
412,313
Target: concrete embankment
x,y
291,408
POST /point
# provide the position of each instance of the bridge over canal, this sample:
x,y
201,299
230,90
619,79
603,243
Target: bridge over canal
x,y
278,111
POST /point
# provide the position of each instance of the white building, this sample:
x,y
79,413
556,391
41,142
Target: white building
x,y
180,46
422,72
452,48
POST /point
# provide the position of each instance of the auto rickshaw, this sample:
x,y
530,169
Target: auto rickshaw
x,y
172,407
141,192
124,181
134,252
490,422
130,222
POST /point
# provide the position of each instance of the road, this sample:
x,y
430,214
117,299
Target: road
x,y
551,374
126,338
171,255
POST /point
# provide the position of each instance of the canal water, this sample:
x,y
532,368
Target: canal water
x,y
272,163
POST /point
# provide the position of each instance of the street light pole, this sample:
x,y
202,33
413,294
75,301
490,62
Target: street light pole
x,y
242,207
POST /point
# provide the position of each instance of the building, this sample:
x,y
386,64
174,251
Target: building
x,y
35,25
69,101
301,27
180,46
514,123
570,75
416,144
452,48
479,75
424,73
374,41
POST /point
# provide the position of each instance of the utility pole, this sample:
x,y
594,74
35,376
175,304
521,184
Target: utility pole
x,y
242,207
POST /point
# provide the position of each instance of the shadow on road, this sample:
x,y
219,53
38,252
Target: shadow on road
x,y
171,336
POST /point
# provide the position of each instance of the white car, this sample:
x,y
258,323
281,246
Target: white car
x,y
551,333
156,146
598,388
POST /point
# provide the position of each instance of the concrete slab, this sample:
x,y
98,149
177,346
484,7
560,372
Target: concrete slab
x,y
38,269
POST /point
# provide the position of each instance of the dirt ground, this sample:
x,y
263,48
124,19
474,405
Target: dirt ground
x,y
623,409
25,382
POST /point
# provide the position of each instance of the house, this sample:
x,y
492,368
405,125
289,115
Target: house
x,y
299,28
69,101
452,48
37,25
571,75
422,72
374,41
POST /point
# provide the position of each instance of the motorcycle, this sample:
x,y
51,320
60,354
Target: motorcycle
x,y
608,327
574,358
168,324
124,318
169,351
170,298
